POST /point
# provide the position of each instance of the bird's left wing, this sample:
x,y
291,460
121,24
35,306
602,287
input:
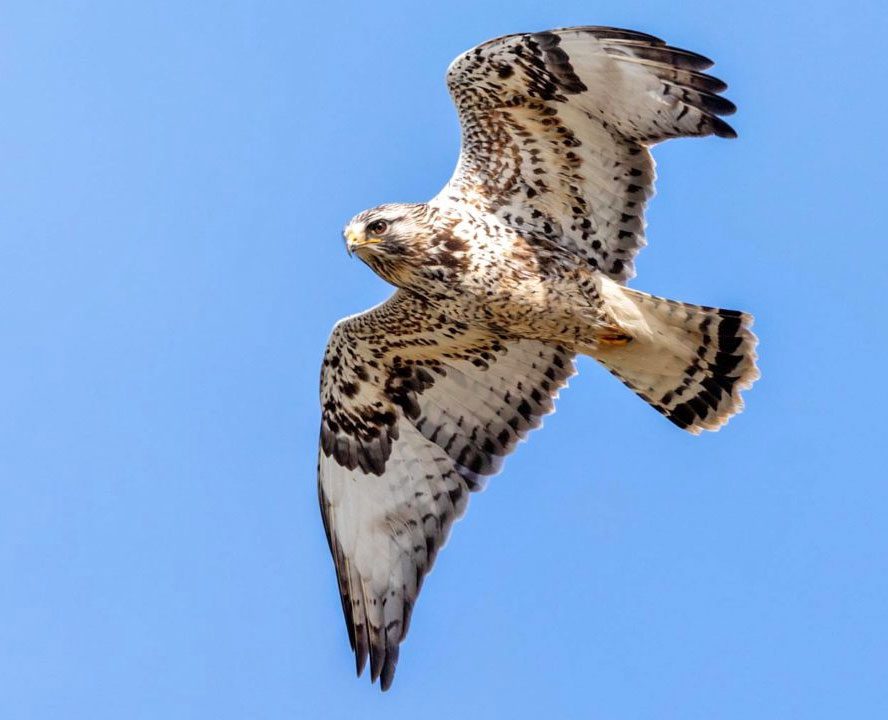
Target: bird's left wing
x,y
556,128
416,411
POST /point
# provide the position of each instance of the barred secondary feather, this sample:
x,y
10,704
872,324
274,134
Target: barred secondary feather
x,y
514,268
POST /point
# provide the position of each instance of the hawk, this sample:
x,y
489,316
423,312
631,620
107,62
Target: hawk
x,y
514,268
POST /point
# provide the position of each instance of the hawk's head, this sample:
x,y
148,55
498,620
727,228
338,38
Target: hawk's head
x,y
392,239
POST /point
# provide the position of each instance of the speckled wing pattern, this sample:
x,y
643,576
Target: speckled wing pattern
x,y
531,156
417,410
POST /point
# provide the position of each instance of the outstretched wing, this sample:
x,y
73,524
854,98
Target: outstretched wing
x,y
556,128
416,411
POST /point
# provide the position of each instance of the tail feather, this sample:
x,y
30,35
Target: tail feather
x,y
690,362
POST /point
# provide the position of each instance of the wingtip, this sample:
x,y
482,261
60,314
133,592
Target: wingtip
x,y
376,664
388,670
360,657
722,129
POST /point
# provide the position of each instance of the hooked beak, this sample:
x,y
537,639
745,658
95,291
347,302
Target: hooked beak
x,y
355,240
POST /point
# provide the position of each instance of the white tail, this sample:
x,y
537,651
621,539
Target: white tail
x,y
690,362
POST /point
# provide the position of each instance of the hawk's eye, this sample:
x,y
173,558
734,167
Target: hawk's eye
x,y
377,227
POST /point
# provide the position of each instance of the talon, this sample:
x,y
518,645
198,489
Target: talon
x,y
615,339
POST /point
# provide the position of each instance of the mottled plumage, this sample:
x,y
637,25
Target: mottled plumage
x,y
515,267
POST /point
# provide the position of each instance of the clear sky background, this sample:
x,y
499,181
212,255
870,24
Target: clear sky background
x,y
174,177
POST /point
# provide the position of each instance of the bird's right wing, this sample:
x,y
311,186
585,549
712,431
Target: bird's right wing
x,y
556,128
416,411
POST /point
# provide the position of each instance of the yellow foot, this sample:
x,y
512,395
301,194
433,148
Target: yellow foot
x,y
614,338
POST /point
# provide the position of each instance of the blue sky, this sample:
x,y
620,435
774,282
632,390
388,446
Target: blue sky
x,y
173,183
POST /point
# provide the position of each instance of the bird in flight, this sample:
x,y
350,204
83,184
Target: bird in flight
x,y
518,265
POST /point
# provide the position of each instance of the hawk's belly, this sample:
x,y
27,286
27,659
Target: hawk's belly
x,y
560,307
